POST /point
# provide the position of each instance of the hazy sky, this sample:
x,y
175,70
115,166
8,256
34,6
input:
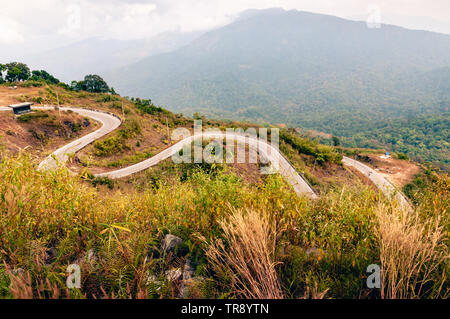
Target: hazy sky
x,y
34,25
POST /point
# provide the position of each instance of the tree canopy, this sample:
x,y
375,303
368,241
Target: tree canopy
x,y
91,83
17,71
43,75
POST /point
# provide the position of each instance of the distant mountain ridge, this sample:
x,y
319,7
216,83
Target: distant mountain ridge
x,y
290,61
302,69
99,55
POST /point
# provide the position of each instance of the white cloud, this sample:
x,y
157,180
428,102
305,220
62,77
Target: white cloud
x,y
48,23
10,31
72,27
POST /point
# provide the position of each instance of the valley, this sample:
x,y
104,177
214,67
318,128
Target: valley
x,y
385,88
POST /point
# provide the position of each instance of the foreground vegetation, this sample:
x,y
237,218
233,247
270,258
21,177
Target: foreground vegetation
x,y
238,239
299,248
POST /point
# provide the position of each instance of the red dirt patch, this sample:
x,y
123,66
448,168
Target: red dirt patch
x,y
42,135
399,172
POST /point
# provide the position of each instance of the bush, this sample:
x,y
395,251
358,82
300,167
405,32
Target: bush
x,y
38,100
92,83
321,153
412,254
130,129
103,181
30,116
148,107
109,146
107,98
248,256
402,156
291,245
43,76
33,83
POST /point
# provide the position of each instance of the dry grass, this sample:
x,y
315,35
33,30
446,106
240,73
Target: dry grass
x,y
248,255
411,252
52,219
21,285
314,292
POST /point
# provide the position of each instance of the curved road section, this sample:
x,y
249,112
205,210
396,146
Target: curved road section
x,y
61,155
383,184
110,122
301,187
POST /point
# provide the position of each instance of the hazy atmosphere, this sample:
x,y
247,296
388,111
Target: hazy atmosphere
x,y
233,151
35,26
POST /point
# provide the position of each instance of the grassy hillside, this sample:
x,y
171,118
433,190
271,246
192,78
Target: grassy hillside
x,y
320,248
115,229
41,132
146,131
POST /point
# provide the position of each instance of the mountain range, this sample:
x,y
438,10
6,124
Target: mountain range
x,y
298,68
307,70
100,55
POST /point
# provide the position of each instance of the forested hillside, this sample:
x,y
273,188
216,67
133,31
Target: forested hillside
x,y
305,70
423,138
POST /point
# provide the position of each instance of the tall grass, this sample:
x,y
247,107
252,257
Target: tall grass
x,y
261,236
247,255
413,255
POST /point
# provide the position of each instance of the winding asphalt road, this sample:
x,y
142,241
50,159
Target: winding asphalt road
x,y
61,155
301,187
110,122
386,187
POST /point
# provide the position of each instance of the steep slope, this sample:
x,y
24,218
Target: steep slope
x,y
54,219
141,138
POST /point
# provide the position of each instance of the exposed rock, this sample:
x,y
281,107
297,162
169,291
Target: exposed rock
x,y
188,271
170,242
174,274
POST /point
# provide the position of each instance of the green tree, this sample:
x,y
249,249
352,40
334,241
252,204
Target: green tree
x,y
94,83
43,75
76,85
17,71
336,141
